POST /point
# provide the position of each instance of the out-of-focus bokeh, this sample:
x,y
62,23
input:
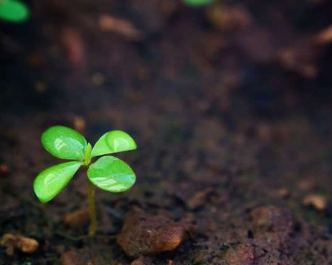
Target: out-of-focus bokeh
x,y
229,103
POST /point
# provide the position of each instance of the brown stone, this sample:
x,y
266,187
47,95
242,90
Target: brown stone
x,y
319,202
79,123
77,218
24,244
143,234
283,192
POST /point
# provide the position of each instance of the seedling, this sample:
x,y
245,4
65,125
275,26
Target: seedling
x,y
13,11
198,3
108,172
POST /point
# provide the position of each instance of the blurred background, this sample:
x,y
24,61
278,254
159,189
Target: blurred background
x,y
229,103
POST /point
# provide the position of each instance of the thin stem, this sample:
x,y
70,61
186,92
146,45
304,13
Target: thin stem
x,y
92,208
48,217
87,159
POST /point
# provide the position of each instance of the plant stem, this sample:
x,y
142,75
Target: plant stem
x,y
92,208
87,159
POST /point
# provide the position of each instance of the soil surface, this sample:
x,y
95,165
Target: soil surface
x,y
230,107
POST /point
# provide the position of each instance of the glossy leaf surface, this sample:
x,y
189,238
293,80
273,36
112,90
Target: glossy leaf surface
x,y
198,3
13,11
64,142
113,142
111,174
52,180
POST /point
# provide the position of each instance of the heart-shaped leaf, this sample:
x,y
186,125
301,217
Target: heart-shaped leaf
x,y
113,142
198,3
111,174
64,142
52,180
13,11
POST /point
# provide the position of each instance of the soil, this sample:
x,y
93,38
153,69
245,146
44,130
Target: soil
x,y
230,108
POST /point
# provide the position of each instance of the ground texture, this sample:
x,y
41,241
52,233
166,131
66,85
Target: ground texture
x,y
230,108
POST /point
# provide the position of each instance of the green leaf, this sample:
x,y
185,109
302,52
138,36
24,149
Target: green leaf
x,y
111,174
52,180
113,142
65,143
13,11
198,3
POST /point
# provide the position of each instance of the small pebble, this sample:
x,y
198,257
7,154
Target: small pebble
x,y
319,202
4,169
24,244
79,124
283,192
77,219
144,234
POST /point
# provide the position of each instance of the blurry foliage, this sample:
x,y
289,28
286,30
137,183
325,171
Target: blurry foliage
x,y
13,11
198,3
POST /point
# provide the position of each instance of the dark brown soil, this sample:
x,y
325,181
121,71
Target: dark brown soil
x,y
230,106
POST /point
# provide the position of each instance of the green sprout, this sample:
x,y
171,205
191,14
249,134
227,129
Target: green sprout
x,y
13,11
108,172
198,3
